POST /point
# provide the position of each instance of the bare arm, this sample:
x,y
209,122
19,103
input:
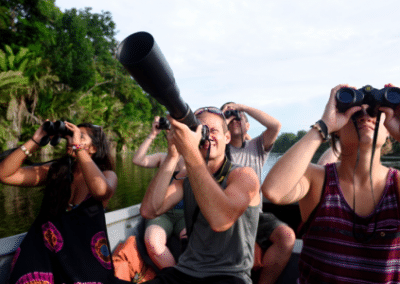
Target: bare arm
x,y
11,171
101,185
291,178
149,161
161,195
222,208
272,124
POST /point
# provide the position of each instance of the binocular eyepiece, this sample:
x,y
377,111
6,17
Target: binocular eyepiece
x,y
232,112
375,98
56,129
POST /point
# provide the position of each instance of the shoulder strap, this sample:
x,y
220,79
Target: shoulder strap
x,y
220,176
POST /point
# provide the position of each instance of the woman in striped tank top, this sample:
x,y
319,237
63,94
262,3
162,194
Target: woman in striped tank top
x,y
350,210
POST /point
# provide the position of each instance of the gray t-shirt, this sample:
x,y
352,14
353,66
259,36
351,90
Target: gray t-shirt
x,y
251,155
212,253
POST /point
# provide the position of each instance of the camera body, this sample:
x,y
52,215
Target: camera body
x,y
232,112
164,124
205,134
56,129
374,98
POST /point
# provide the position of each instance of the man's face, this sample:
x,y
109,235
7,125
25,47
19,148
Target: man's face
x,y
218,139
238,127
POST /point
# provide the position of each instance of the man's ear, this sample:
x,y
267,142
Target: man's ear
x,y
227,137
247,126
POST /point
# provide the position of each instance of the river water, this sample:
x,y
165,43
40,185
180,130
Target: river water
x,y
19,206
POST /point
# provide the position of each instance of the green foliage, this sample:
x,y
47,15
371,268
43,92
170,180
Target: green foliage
x,y
64,67
10,81
72,56
287,140
26,22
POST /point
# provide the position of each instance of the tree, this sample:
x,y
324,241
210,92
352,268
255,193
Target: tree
x,y
27,22
10,83
287,140
72,54
67,63
284,142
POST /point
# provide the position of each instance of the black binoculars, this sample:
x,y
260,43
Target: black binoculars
x,y
374,98
232,112
56,129
164,124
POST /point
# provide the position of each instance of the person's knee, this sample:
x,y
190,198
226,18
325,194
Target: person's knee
x,y
155,239
284,237
182,234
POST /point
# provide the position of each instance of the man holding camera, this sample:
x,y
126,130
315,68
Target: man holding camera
x,y
222,202
275,240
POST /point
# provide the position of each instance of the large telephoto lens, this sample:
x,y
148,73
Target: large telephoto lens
x,y
143,59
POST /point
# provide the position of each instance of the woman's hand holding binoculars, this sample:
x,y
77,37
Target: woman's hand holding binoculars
x,y
39,134
53,131
334,119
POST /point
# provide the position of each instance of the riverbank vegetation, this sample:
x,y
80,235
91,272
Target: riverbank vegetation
x,y
61,65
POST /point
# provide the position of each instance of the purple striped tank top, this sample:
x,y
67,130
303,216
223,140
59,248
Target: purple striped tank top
x,y
331,253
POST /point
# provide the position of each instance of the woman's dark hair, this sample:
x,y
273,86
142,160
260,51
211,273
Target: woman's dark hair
x,y
60,176
102,157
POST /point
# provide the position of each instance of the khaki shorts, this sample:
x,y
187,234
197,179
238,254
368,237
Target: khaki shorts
x,y
266,225
173,222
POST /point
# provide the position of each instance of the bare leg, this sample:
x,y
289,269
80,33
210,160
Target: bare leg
x,y
278,254
155,239
182,234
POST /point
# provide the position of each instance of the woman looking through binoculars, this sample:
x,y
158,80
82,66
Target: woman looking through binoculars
x,y
158,230
67,242
350,209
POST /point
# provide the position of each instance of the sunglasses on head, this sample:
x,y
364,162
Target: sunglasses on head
x,y
214,110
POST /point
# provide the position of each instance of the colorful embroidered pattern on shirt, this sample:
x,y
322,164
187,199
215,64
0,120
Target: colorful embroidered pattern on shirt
x,y
52,237
36,278
100,249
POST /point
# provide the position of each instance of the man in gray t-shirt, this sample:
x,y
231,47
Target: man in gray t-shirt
x,y
275,240
221,205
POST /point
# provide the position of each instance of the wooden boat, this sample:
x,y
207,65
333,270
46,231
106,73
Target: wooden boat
x,y
126,222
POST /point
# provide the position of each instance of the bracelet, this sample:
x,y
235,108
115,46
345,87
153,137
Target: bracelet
x,y
322,129
26,151
35,142
77,147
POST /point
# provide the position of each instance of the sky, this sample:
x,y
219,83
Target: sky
x,y
282,57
